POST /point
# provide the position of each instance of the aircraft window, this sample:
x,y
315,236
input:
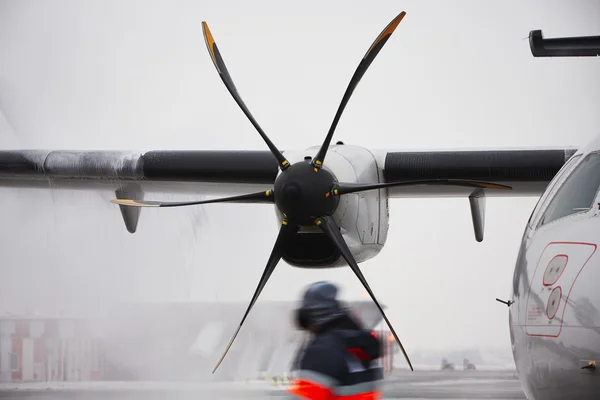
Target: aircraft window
x,y
578,192
540,207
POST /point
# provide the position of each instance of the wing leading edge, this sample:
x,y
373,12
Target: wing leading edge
x,y
88,169
24,167
527,171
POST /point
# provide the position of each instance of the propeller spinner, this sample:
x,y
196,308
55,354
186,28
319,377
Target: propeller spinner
x,y
305,193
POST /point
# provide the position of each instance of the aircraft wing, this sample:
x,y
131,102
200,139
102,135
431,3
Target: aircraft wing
x,y
184,171
179,171
528,171
210,172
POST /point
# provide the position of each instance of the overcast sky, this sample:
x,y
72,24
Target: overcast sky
x,y
136,75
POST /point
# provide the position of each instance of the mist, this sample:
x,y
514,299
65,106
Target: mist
x,y
136,75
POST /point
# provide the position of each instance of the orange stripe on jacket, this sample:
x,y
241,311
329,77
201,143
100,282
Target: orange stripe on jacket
x,y
306,389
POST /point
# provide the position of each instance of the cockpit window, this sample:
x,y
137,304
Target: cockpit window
x,y
578,192
551,189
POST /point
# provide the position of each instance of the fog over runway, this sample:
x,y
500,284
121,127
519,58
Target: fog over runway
x,y
489,385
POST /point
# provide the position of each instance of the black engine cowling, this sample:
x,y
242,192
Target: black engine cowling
x,y
311,250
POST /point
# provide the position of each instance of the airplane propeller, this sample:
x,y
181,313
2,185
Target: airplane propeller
x,y
305,193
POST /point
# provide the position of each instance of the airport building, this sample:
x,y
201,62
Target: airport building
x,y
162,342
48,349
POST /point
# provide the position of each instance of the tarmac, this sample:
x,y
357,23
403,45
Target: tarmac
x,y
422,385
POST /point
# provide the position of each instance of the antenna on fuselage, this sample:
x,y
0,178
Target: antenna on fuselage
x,y
575,46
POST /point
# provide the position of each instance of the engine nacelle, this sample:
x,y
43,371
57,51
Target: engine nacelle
x,y
363,217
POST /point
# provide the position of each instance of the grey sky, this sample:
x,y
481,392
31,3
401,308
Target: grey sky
x,y
136,75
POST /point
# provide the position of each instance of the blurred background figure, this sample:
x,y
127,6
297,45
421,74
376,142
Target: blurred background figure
x,y
341,357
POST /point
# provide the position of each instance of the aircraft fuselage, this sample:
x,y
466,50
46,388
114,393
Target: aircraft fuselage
x,y
555,317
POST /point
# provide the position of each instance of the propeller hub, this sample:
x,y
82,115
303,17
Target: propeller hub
x,y
302,194
292,191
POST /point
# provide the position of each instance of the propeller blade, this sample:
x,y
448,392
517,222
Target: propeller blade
x,y
226,78
331,229
260,197
346,188
358,74
286,232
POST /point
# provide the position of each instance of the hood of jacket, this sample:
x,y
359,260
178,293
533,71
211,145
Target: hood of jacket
x,y
320,304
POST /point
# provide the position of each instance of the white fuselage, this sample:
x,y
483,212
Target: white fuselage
x,y
555,317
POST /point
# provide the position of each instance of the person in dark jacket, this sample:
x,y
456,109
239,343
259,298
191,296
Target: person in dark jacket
x,y
341,359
